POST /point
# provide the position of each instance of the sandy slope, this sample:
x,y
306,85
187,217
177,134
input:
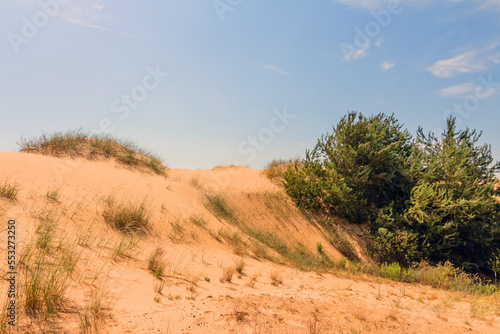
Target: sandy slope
x,y
194,300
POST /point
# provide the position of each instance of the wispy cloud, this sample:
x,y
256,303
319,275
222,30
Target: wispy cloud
x,y
361,52
351,52
275,69
93,26
468,89
386,65
377,4
488,4
463,90
90,17
466,62
495,58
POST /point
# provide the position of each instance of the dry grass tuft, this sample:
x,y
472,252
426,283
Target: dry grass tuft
x,y
156,263
240,267
128,218
276,277
227,275
9,190
93,317
218,206
315,326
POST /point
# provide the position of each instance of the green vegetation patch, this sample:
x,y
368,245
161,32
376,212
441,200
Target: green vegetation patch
x,y
79,143
429,198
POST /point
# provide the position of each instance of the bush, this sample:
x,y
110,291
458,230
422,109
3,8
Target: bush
x,y
392,271
453,207
359,168
399,246
431,199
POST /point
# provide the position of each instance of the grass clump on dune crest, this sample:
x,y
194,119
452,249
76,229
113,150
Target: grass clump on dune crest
x,y
80,143
127,217
276,168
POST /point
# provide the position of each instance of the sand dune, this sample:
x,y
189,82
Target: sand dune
x,y
200,246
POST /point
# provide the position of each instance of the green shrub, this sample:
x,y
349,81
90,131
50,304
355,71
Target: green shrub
x,y
128,158
392,271
453,207
359,168
432,198
399,246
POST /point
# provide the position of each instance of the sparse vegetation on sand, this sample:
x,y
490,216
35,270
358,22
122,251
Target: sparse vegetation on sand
x,y
227,275
298,256
93,317
276,277
9,190
45,269
342,244
53,195
80,143
156,263
127,217
217,204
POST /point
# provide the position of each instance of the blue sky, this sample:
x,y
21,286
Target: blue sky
x,y
207,83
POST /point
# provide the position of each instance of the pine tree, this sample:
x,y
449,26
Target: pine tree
x,y
361,167
453,206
